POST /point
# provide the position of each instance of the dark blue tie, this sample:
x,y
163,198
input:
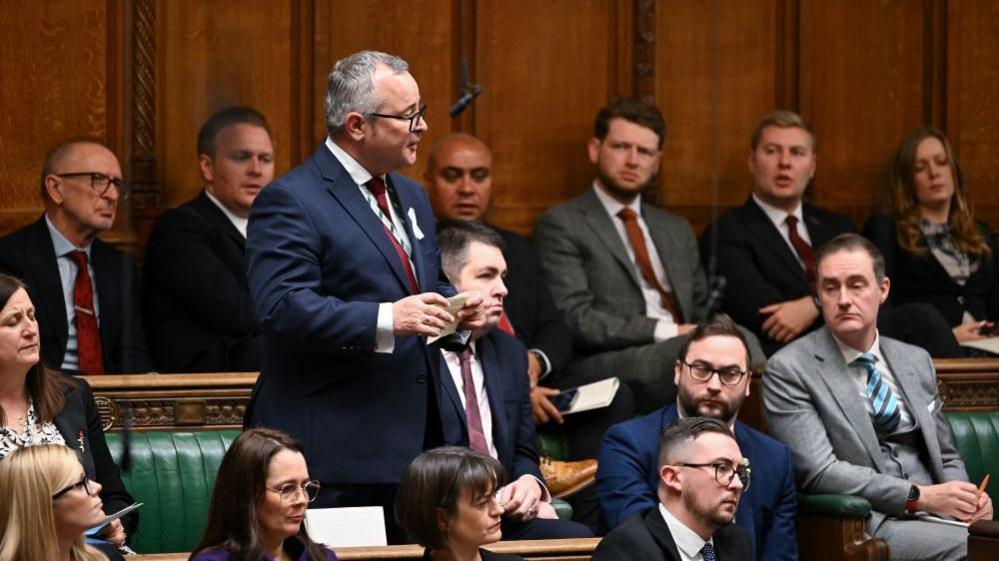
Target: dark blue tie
x,y
886,410
708,552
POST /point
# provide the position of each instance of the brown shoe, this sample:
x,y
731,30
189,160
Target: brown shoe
x,y
567,478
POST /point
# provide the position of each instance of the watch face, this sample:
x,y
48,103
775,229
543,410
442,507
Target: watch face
x,y
913,493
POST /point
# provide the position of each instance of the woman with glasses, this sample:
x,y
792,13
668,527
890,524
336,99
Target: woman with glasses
x,y
935,250
48,502
259,501
39,406
447,502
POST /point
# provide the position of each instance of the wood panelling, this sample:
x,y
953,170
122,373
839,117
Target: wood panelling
x,y
740,42
54,85
214,54
144,74
545,75
973,98
420,31
862,88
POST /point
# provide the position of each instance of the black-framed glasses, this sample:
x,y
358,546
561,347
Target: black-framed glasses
x,y
85,483
702,372
289,491
414,118
100,183
725,473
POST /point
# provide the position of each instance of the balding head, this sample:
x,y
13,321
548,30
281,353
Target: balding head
x,y
459,177
78,198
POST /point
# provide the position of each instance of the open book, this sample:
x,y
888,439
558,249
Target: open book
x,y
587,397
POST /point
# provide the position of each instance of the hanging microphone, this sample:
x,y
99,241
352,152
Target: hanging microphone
x,y
464,101
716,289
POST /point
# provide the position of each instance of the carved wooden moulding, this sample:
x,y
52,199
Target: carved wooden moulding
x,y
159,414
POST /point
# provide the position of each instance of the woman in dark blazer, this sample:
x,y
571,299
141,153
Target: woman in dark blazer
x,y
39,406
447,502
935,251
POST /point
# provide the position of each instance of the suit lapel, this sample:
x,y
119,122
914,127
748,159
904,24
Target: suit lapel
x,y
657,527
41,256
835,374
915,400
447,383
346,192
492,374
406,204
759,224
604,229
213,214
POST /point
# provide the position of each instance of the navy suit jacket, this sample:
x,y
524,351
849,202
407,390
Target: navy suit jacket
x,y
198,311
29,255
628,478
319,263
504,369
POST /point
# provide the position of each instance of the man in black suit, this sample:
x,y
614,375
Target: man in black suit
x,y
702,474
198,311
764,248
85,291
484,399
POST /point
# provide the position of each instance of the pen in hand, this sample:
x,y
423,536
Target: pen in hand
x,y
984,484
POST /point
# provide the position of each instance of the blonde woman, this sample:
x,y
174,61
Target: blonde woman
x,y
47,503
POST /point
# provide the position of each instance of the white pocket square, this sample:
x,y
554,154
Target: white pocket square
x,y
416,226
932,406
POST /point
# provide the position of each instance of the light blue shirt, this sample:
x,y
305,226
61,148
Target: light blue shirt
x,y
67,275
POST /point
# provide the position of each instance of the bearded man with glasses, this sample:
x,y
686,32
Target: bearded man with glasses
x,y
712,378
85,291
700,478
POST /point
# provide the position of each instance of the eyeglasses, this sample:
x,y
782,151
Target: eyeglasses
x,y
421,111
85,483
100,183
289,491
702,372
725,473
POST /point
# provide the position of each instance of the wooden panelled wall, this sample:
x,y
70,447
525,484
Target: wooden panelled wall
x,y
144,74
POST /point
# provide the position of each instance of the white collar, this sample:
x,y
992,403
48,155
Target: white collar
x,y
850,354
612,205
686,540
776,215
238,221
354,169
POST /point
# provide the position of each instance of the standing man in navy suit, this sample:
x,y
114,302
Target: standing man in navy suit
x,y
712,381
485,397
198,311
345,274
86,292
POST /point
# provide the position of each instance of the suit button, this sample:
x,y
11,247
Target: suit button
x,y
421,379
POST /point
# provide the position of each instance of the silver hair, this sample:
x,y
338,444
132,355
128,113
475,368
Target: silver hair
x,y
350,87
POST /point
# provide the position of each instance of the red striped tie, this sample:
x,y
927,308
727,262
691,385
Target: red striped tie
x,y
88,336
377,188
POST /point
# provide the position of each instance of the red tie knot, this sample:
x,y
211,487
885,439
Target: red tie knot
x,y
376,185
79,257
627,214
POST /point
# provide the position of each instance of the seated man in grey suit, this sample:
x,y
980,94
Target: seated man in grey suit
x,y
702,474
861,414
626,274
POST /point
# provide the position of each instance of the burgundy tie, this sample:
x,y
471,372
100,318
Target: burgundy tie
x,y
377,188
637,241
476,436
88,337
804,250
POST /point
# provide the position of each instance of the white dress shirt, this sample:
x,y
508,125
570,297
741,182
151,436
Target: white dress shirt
x,y
688,543
666,326
453,361
859,375
67,276
238,221
384,335
779,219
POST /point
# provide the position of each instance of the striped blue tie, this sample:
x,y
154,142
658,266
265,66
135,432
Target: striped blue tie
x,y
886,410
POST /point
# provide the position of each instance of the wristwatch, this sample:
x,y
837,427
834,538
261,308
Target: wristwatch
x,y
910,502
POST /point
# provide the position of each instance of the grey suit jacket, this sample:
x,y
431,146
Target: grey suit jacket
x,y
594,282
813,406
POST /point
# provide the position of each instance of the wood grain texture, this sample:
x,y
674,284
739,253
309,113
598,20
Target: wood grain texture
x,y
53,86
211,55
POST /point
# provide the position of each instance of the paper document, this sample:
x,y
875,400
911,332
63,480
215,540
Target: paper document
x,y
927,517
454,304
111,518
587,397
989,345
346,527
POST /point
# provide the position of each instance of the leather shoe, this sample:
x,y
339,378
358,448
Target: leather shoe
x,y
567,478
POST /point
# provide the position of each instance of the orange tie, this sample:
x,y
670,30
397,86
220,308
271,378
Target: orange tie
x,y
637,241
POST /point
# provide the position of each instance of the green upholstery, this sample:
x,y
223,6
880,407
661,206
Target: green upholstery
x,y
553,444
976,435
843,506
173,474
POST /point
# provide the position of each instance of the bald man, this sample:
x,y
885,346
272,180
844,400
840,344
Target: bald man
x,y
84,290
